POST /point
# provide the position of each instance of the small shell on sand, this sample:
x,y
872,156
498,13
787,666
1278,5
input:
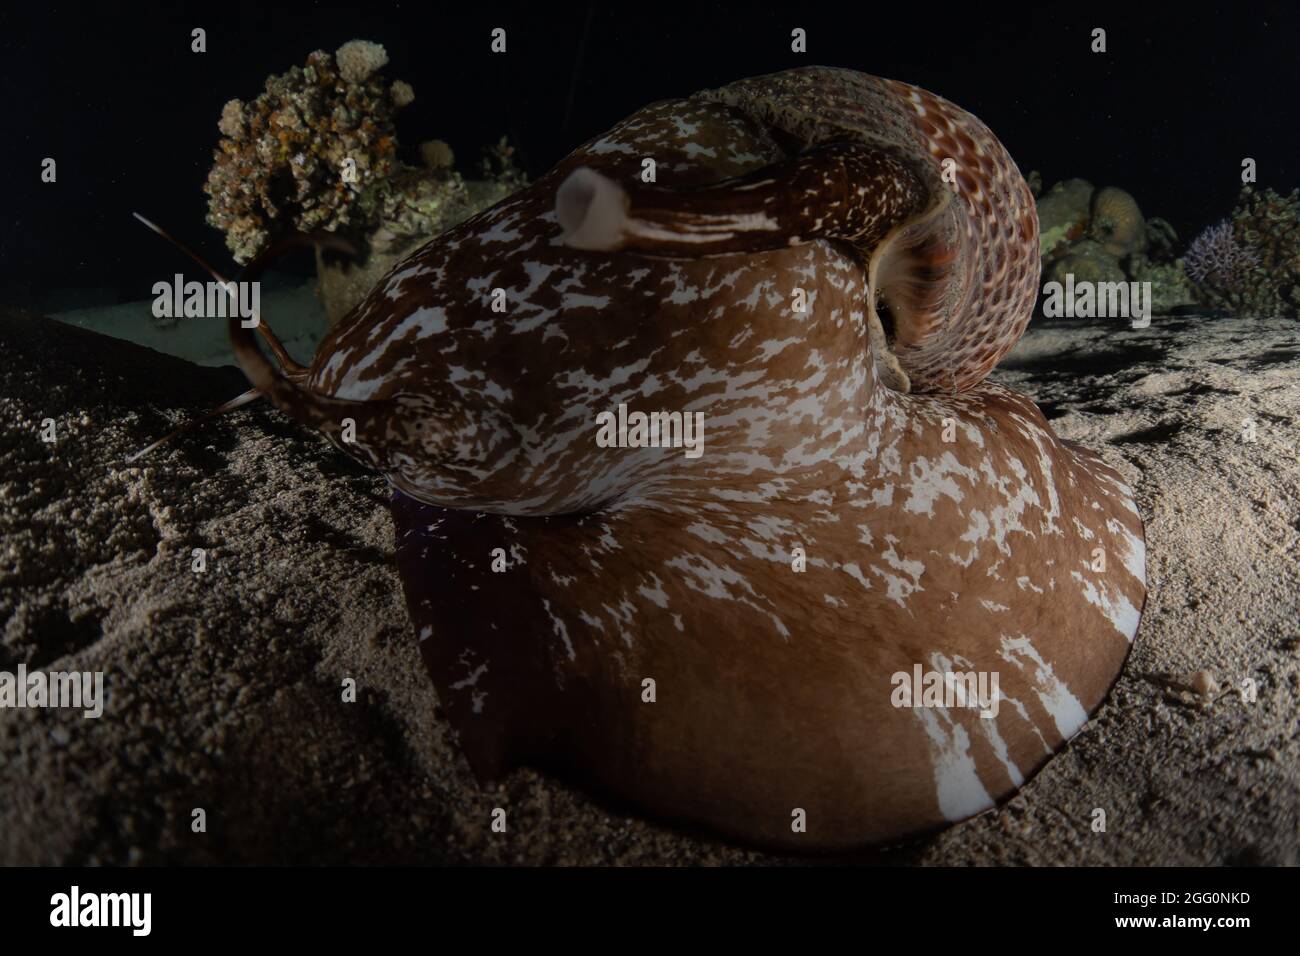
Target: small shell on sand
x,y
1203,683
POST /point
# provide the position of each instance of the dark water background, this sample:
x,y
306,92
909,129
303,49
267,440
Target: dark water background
x,y
130,113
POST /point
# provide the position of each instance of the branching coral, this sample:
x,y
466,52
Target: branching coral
x,y
1250,264
301,154
1217,260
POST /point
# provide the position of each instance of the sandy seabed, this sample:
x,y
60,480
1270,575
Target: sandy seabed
x,y
225,687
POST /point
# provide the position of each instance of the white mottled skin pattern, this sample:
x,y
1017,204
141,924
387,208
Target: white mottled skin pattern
x,y
773,687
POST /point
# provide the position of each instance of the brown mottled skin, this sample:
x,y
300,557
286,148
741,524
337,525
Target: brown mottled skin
x,y
943,522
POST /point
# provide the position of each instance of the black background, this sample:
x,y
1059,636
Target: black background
x,y
759,909
129,112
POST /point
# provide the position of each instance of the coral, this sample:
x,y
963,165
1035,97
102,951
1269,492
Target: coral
x,y
1250,264
1170,287
1102,236
408,207
359,59
1088,261
1063,214
499,165
301,154
1216,258
1268,223
402,93
1161,240
1222,268
317,150
1117,223
437,154
411,204
232,118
